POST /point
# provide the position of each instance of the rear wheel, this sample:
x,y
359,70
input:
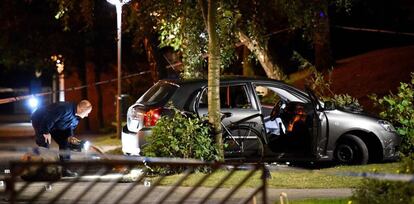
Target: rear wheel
x,y
351,150
244,141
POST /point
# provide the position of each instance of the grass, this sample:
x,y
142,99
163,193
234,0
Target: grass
x,y
320,178
291,178
105,140
319,201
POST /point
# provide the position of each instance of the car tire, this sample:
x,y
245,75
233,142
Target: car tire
x,y
351,150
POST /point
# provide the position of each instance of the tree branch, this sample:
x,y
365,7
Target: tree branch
x,y
272,70
203,6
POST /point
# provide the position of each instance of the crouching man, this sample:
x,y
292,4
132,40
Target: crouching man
x,y
58,121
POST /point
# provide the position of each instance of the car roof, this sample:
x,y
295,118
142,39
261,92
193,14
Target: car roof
x,y
189,87
228,78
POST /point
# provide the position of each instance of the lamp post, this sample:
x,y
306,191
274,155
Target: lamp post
x,y
60,66
58,59
118,4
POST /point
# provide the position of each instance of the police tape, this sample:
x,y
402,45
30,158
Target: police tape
x,y
381,176
18,98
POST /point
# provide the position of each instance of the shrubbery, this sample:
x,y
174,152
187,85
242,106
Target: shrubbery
x,y
322,88
384,192
182,136
399,109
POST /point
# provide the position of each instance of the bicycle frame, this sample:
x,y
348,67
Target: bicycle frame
x,y
244,122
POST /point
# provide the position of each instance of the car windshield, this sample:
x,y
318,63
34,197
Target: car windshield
x,y
159,93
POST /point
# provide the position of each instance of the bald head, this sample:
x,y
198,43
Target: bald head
x,y
83,108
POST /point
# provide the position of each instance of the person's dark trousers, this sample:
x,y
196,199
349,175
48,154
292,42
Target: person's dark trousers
x,y
40,139
60,137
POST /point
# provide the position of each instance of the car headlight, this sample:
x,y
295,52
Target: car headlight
x,y
387,126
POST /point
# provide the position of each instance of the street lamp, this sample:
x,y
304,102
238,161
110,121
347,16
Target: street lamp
x,y
58,59
118,4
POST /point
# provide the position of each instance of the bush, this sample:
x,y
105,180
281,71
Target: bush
x,y
322,88
183,136
384,192
399,109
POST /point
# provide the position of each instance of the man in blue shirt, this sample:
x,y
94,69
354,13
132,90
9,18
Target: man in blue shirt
x,y
58,121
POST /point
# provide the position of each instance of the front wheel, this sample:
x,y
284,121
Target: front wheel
x,y
243,141
351,150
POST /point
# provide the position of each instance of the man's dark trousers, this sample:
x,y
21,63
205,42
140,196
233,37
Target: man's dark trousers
x,y
60,137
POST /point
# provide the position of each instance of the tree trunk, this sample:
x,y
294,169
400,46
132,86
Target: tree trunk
x,y
214,115
155,59
151,60
262,54
322,46
99,92
83,79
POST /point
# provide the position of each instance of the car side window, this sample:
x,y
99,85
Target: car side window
x,y
231,96
268,95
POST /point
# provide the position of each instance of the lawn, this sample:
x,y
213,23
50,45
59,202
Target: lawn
x,y
106,139
286,178
320,178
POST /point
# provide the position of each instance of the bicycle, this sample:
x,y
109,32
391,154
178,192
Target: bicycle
x,y
241,139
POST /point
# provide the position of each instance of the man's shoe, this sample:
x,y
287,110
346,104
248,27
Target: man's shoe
x,y
69,173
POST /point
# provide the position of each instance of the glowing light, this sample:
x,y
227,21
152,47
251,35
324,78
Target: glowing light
x,y
86,145
118,2
33,102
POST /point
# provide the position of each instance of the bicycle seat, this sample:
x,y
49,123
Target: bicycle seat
x,y
226,115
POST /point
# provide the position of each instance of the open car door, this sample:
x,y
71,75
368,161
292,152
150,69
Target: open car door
x,y
319,129
290,119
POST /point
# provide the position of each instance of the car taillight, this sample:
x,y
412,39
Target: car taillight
x,y
151,117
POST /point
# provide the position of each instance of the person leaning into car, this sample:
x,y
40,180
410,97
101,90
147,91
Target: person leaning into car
x,y
58,121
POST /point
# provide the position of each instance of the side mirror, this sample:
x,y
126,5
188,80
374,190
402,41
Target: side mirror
x,y
329,105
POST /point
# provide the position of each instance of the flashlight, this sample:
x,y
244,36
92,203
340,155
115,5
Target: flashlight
x,y
85,145
78,145
33,103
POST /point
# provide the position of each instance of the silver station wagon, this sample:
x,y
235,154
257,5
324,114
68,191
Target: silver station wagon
x,y
290,124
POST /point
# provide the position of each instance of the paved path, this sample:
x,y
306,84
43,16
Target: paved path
x,y
98,192
16,130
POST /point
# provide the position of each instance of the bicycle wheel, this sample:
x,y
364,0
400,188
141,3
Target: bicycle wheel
x,y
243,141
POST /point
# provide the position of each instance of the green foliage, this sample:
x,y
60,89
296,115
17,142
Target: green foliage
x,y
303,63
228,17
169,35
382,192
319,84
67,8
181,25
181,136
322,87
399,109
345,100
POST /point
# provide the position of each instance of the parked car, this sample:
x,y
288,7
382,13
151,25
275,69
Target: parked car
x,y
295,124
